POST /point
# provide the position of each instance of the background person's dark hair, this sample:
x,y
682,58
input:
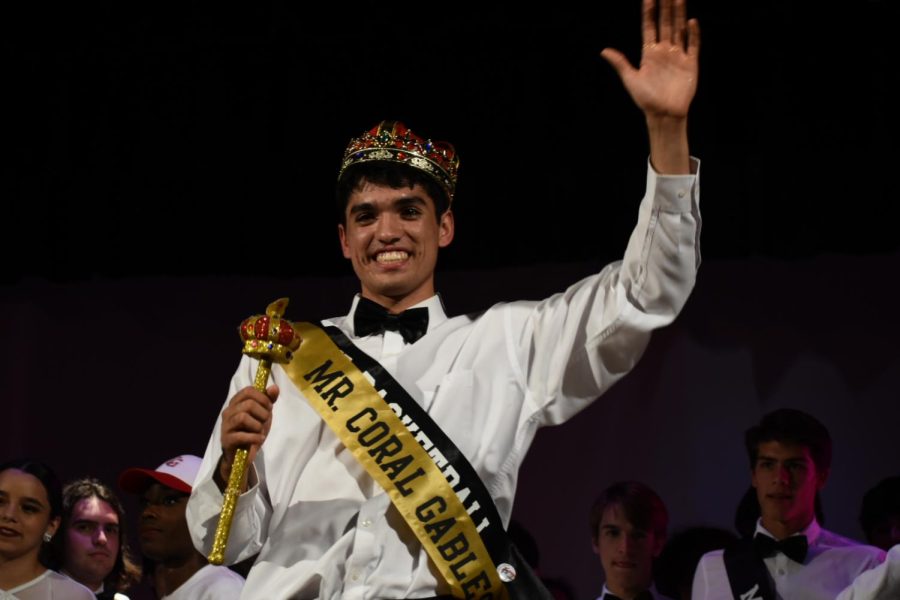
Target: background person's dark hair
x,y
879,504
394,175
674,569
791,426
559,588
643,508
52,487
126,572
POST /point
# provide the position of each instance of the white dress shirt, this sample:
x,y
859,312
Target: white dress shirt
x,y
49,585
831,564
324,529
879,583
209,583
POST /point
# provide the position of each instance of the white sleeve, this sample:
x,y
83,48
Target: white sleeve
x,y
224,585
710,578
879,583
573,346
253,511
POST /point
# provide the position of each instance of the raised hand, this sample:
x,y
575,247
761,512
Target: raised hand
x,y
666,80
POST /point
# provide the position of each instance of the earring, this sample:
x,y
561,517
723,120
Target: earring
x,y
47,537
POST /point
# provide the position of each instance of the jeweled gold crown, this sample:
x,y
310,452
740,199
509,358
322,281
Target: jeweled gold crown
x,y
392,141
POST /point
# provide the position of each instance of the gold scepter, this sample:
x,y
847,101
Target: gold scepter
x,y
268,338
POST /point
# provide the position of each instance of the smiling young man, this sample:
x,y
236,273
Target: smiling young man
x,y
394,490
177,570
790,555
628,531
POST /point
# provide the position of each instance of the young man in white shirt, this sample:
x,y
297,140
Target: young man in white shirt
x,y
322,526
790,556
629,524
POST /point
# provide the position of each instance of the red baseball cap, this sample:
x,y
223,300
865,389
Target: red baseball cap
x,y
177,473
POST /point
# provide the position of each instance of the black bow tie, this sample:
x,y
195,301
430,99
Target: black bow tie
x,y
794,547
371,318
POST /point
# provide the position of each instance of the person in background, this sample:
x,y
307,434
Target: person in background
x,y
790,554
177,570
628,531
673,571
90,543
879,515
30,510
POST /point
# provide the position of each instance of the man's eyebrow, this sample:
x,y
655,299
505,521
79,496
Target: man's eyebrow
x,y
799,458
362,206
401,202
409,201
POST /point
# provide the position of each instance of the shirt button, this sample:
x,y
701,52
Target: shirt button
x,y
366,523
681,193
354,576
781,571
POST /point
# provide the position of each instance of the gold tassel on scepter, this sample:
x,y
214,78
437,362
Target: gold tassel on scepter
x,y
268,338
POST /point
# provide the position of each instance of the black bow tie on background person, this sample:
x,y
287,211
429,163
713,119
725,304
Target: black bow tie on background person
x,y
371,318
794,547
645,595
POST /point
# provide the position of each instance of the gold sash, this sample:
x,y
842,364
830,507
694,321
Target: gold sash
x,y
359,416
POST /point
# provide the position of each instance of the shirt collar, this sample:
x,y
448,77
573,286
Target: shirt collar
x,y
435,306
811,531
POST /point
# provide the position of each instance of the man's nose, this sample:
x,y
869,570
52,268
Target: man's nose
x,y
783,474
100,538
388,228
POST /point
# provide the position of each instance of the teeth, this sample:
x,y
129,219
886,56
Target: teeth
x,y
394,256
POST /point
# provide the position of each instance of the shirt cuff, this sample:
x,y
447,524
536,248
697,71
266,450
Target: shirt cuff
x,y
674,193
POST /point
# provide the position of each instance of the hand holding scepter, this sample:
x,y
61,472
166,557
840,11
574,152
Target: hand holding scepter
x,y
268,338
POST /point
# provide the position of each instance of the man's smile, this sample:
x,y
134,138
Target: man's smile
x,y
391,256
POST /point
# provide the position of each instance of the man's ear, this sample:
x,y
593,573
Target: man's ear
x,y
446,228
342,235
822,478
659,542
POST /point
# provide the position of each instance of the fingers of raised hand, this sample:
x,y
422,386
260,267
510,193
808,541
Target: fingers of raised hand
x,y
668,32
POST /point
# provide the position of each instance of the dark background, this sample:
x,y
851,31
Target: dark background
x,y
150,139
170,171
